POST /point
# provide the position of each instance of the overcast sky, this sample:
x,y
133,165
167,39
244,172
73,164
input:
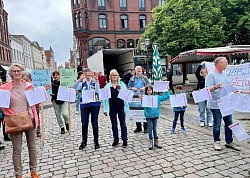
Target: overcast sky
x,y
47,21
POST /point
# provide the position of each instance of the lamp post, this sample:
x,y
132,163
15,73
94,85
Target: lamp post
x,y
144,47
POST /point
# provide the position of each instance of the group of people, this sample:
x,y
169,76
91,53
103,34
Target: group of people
x,y
112,107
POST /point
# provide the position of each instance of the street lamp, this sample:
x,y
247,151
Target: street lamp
x,y
144,47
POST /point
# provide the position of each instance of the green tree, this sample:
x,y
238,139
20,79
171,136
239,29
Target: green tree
x,y
181,25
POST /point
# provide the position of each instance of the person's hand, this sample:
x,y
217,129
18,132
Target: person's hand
x,y
82,77
181,107
47,86
96,76
237,91
203,62
142,89
118,86
140,96
105,114
218,85
133,88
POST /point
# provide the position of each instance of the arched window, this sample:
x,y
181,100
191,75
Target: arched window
x,y
124,21
96,44
102,21
80,19
130,43
86,20
142,21
121,43
76,20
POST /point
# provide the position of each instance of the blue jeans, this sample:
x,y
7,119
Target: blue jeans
x,y
176,115
152,125
122,119
217,123
202,108
78,96
94,111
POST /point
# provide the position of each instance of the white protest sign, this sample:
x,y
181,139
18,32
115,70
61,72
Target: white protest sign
x,y
239,131
5,98
125,95
225,90
225,107
202,95
136,116
104,93
66,94
161,86
37,96
178,100
88,96
150,101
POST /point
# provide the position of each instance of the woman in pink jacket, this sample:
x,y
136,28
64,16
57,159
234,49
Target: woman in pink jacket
x,y
19,104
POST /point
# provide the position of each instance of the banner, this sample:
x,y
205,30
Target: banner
x,y
40,78
238,74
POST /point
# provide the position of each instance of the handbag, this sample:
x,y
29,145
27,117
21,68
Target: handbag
x,y
18,123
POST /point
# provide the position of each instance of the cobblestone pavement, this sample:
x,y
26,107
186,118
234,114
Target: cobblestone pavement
x,y
183,155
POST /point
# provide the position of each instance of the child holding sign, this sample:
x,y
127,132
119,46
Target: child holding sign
x,y
179,111
152,115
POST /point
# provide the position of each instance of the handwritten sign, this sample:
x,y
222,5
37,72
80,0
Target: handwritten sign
x,y
178,100
125,95
5,98
104,93
239,131
66,94
37,96
202,95
41,78
68,77
149,101
88,96
161,86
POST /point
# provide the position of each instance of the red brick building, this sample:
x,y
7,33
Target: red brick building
x,y
109,23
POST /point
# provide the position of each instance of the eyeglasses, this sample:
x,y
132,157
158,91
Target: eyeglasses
x,y
16,71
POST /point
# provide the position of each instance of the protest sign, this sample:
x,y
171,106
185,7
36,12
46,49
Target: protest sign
x,y
161,86
41,78
66,94
68,77
5,98
36,96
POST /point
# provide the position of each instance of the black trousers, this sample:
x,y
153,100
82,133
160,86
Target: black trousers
x,y
138,125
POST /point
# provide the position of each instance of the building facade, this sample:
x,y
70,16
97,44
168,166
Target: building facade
x,y
99,24
16,50
37,56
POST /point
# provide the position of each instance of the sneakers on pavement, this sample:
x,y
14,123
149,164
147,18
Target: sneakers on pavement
x,y
202,124
210,124
137,130
82,146
125,143
115,143
183,129
217,146
172,131
77,112
232,146
63,130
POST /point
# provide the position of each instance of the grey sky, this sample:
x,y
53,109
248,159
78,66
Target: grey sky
x,y
47,21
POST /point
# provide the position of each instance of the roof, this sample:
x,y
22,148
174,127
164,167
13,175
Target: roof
x,y
209,53
48,53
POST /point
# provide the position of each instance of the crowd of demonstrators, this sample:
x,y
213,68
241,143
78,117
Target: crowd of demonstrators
x,y
201,74
87,82
137,83
116,106
214,81
127,77
179,111
152,115
60,107
102,79
78,93
170,79
19,105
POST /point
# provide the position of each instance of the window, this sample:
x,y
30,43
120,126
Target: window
x,y
86,20
142,5
123,4
80,19
96,44
121,43
130,43
102,21
124,21
76,20
74,2
101,4
78,2
161,2
142,21
85,3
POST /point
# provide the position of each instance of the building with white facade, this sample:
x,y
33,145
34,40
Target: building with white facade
x,y
16,50
37,58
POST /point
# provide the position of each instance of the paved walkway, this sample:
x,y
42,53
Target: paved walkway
x,y
183,155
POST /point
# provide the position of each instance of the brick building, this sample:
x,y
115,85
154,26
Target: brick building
x,y
101,24
5,59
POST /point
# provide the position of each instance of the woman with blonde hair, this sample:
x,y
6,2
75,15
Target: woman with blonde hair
x,y
116,106
19,105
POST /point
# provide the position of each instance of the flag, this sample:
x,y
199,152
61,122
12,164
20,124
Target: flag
x,y
157,70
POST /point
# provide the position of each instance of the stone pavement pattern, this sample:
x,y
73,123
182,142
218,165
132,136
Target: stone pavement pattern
x,y
183,155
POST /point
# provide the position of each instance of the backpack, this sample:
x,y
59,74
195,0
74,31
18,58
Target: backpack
x,y
144,80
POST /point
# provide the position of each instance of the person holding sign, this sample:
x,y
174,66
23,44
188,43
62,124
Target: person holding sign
x,y
201,75
214,82
60,107
116,106
84,83
137,83
179,111
18,108
152,115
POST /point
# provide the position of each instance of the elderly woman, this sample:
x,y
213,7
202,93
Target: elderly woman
x,y
19,104
116,106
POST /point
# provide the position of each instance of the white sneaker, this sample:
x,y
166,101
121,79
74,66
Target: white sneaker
x,y
202,124
210,124
217,146
77,112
